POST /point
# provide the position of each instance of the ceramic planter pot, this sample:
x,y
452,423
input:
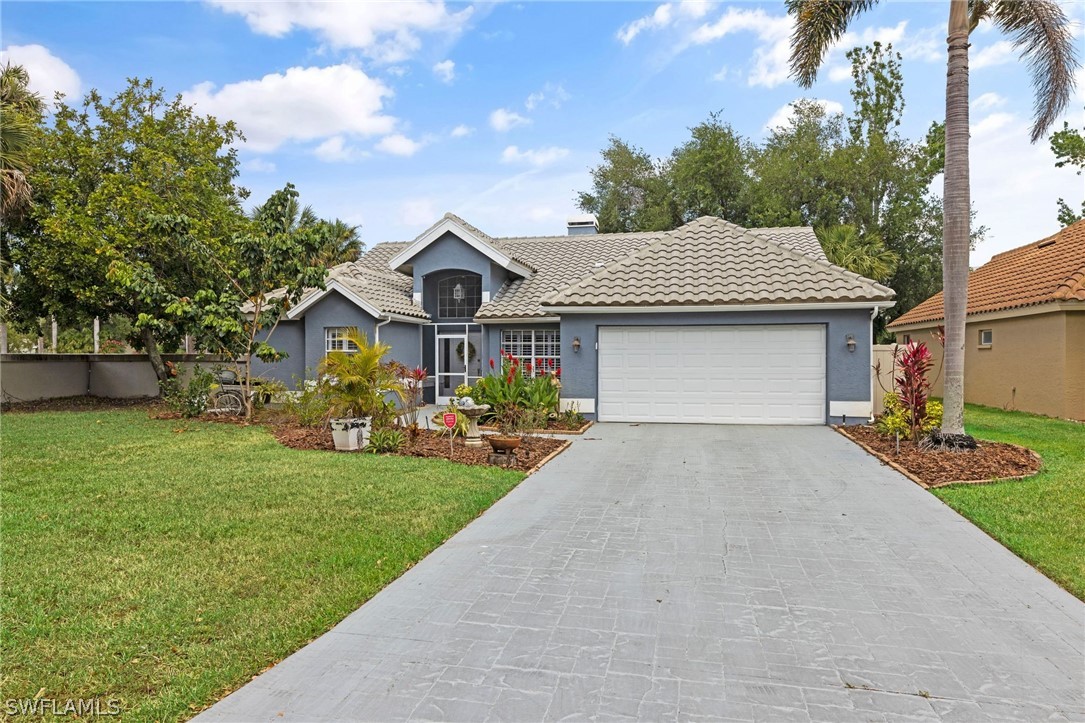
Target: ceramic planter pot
x,y
350,433
503,444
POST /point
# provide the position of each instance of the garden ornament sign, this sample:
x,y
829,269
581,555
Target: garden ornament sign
x,y
450,423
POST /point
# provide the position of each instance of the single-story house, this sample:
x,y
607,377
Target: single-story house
x,y
710,322
1025,329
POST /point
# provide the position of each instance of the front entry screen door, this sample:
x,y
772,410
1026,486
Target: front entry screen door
x,y
459,358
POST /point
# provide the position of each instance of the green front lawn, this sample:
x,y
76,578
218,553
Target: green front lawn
x,y
166,562
1042,519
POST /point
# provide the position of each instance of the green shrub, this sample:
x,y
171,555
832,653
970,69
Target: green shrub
x,y
896,419
385,441
310,406
189,399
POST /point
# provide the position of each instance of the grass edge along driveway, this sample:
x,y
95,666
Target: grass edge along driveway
x,y
163,563
1042,518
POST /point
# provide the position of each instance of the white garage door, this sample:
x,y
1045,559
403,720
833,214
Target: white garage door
x,y
714,374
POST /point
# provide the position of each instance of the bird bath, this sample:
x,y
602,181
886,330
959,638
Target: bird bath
x,y
472,411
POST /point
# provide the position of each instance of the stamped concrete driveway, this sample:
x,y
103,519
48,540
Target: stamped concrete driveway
x,y
699,572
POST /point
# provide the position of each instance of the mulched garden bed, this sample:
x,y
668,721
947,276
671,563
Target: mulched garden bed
x,y
935,468
84,403
429,443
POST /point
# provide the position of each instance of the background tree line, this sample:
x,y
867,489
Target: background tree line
x,y
862,185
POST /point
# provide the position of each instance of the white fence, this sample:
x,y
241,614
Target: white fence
x,y
28,377
882,372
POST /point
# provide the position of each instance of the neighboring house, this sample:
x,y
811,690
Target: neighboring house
x,y
1025,330
710,322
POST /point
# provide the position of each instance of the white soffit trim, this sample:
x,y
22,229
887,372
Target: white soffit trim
x,y
472,240
583,405
820,306
518,321
855,410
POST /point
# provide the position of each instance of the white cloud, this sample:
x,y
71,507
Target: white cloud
x,y
722,74
445,71
387,31
258,165
997,53
398,145
48,73
1022,209
535,157
503,119
782,117
461,131
663,16
987,101
337,150
302,104
552,94
770,59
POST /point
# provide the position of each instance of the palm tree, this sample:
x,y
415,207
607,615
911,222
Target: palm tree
x,y
343,242
20,113
1044,35
866,256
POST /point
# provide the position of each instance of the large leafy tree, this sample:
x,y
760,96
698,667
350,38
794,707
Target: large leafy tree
x,y
1044,35
710,173
111,179
630,191
1068,145
270,266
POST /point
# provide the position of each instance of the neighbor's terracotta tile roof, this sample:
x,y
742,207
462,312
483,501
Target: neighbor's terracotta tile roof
x,y
712,262
1045,271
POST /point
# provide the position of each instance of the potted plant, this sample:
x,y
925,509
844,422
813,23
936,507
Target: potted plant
x,y
357,383
510,420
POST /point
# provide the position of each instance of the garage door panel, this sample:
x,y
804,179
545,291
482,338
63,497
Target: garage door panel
x,y
725,374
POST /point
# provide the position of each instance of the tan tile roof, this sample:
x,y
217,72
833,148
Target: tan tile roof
x,y
712,262
561,262
799,238
1045,271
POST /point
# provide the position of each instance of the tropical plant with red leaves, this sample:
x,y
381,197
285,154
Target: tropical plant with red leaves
x,y
913,387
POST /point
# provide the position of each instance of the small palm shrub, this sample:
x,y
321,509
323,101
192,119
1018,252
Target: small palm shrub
x,y
357,382
385,441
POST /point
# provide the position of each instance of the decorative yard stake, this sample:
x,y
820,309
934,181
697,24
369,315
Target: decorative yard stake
x,y
450,423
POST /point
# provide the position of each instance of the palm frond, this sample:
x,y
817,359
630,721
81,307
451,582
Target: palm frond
x,y
1045,36
818,25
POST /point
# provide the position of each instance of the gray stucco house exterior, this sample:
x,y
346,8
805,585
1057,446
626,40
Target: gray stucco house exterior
x,y
709,323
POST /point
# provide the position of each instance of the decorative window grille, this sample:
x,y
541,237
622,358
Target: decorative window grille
x,y
335,339
541,348
458,297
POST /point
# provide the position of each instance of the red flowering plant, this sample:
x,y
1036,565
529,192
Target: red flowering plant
x,y
909,411
518,393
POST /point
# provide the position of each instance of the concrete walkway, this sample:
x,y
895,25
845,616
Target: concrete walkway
x,y
697,572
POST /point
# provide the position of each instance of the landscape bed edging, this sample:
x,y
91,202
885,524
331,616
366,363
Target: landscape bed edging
x,y
889,462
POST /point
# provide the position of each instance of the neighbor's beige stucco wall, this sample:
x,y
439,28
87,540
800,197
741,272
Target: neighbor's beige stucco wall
x,y
1034,363
1075,365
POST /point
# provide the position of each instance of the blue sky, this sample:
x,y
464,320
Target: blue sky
x,y
388,114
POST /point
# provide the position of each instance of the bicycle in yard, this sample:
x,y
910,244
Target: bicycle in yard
x,y
227,395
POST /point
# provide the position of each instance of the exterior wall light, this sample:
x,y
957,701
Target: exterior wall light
x,y
576,344
850,340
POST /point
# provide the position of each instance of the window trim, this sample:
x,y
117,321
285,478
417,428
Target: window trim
x,y
538,339
335,340
990,338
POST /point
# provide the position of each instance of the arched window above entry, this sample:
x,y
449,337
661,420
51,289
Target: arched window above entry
x,y
458,297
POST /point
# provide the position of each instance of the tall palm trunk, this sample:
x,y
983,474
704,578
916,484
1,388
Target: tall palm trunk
x,y
956,209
